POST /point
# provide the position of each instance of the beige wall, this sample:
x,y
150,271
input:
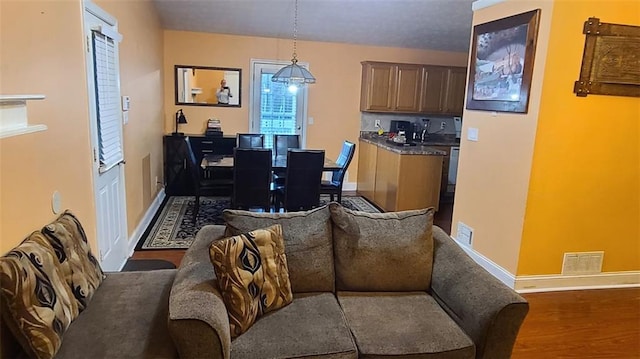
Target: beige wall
x,y
334,101
493,173
42,51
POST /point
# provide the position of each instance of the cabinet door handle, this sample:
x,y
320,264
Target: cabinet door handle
x,y
206,151
207,142
184,163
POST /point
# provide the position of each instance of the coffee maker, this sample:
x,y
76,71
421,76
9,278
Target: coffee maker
x,y
406,126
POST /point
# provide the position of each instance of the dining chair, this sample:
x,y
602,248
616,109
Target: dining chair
x,y
281,144
301,190
252,178
250,140
334,186
201,185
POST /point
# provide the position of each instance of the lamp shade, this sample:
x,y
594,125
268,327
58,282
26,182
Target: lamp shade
x,y
180,117
294,74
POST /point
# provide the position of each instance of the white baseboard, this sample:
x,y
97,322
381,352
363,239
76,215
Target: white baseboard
x,y
550,283
349,186
146,221
497,271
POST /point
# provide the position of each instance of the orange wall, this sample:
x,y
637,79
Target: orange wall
x,y
334,101
584,193
493,173
42,52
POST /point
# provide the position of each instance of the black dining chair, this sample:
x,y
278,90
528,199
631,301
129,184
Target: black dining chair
x,y
250,140
281,144
301,190
252,178
201,185
334,186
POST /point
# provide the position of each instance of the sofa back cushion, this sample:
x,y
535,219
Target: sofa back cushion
x,y
37,304
80,268
307,242
382,251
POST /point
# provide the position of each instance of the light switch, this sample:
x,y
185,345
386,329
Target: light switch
x,y
125,117
472,134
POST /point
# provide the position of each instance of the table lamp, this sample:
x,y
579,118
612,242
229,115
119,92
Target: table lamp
x,y
179,119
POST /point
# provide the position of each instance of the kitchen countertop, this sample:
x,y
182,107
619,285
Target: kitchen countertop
x,y
419,149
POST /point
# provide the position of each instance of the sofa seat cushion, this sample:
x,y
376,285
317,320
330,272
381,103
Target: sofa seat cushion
x,y
409,324
313,325
127,318
307,242
399,243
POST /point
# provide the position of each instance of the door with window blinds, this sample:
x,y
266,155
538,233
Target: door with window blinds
x,y
103,77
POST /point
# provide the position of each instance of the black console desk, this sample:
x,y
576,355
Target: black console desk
x,y
176,177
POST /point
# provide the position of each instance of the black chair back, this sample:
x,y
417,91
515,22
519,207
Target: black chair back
x,y
192,165
282,143
250,140
302,184
344,159
252,178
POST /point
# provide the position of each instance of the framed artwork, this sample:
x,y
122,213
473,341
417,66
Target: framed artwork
x,y
610,61
502,63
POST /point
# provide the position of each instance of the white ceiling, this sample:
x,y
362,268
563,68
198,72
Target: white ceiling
x,y
421,24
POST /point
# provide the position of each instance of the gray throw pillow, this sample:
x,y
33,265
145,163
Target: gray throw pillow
x,y
382,251
307,242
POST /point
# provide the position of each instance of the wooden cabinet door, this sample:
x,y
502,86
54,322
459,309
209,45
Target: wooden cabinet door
x,y
445,167
377,87
367,156
408,87
456,81
387,171
433,85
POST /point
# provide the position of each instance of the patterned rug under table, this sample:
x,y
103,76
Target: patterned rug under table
x,y
174,227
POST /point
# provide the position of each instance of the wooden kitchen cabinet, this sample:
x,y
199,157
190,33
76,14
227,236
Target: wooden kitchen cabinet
x,y
388,87
443,90
398,182
412,88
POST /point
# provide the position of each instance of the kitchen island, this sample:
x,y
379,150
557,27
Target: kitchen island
x,y
396,177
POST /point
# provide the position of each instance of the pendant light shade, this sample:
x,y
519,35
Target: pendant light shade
x,y
294,74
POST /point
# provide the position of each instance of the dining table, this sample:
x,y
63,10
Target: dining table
x,y
279,163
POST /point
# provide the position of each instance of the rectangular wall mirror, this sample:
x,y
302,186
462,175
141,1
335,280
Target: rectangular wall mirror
x,y
207,86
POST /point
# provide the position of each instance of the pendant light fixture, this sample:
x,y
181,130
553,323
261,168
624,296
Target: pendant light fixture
x,y
294,74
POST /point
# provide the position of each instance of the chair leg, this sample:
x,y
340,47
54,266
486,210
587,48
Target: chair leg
x,y
196,209
331,197
339,196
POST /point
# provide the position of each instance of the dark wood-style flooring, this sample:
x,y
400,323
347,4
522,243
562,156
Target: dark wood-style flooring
x,y
593,324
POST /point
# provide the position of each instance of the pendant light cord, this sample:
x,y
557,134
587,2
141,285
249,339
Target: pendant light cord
x,y
295,32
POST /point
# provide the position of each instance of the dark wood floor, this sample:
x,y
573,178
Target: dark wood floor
x,y
590,324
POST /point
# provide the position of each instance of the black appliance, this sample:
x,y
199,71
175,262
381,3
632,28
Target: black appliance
x,y
406,126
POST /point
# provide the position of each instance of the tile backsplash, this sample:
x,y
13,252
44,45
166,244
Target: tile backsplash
x,y
368,120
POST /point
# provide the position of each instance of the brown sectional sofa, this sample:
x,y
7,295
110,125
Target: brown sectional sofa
x,y
365,285
124,317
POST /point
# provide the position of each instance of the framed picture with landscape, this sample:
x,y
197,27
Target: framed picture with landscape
x,y
502,63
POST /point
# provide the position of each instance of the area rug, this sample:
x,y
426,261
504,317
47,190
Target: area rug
x,y
174,228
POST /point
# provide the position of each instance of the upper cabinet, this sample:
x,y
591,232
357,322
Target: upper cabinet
x,y
411,88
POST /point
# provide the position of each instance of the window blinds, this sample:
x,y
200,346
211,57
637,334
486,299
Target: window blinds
x,y
108,100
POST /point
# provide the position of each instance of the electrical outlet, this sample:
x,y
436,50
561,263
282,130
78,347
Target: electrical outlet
x,y
377,124
443,125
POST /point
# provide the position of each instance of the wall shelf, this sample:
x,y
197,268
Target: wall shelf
x,y
13,115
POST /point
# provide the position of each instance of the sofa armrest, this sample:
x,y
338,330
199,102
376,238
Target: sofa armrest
x,y
198,319
489,312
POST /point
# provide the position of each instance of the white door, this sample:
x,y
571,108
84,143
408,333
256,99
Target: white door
x,y
105,116
276,109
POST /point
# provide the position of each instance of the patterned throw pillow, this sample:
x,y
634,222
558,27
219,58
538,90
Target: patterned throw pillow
x,y
37,303
252,274
80,268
